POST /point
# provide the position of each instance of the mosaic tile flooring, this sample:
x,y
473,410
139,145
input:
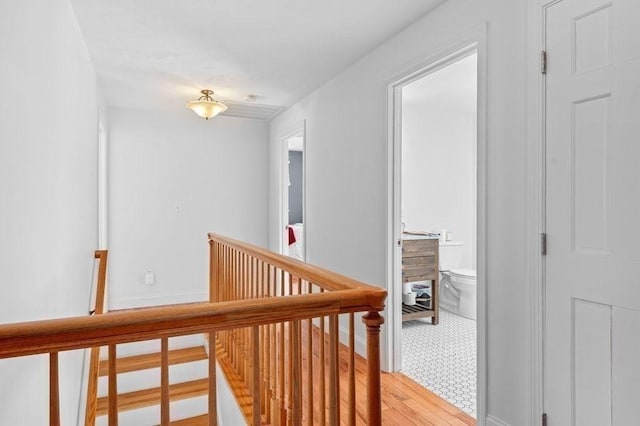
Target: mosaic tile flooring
x,y
442,358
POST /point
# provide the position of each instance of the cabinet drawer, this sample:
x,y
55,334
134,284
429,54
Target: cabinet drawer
x,y
417,248
421,272
424,261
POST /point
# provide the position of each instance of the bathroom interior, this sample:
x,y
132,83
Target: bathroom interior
x,y
438,205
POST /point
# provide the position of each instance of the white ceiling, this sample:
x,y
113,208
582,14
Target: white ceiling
x,y
158,54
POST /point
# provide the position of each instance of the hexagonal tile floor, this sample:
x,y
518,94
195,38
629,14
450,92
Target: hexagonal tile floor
x,y
442,358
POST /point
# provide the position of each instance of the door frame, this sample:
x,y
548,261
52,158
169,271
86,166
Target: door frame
x,y
103,186
536,199
283,188
474,40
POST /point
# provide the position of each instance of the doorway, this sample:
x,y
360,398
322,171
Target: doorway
x,y
437,286
292,189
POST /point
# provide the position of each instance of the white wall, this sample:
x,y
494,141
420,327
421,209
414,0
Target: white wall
x,y
346,174
48,188
174,177
439,154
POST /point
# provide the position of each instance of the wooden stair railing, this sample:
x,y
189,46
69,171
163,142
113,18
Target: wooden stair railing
x,y
286,371
266,327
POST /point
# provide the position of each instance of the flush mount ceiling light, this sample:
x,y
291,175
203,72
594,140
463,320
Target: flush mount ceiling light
x,y
206,107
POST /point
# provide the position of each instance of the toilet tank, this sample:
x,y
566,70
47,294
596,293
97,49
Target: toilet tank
x,y
450,255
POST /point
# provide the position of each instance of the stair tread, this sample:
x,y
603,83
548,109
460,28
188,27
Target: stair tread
x,y
152,360
202,420
149,397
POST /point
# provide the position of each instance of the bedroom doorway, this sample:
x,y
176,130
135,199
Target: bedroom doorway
x,y
292,229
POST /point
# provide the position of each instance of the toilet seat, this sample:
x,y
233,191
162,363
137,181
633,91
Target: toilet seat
x,y
463,273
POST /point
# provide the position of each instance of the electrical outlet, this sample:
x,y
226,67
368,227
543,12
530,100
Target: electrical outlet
x,y
149,278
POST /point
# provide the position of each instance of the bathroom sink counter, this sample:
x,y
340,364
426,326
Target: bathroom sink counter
x,y
419,236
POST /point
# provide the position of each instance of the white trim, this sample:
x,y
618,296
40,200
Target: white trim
x,y
298,130
474,40
494,421
535,199
103,185
165,299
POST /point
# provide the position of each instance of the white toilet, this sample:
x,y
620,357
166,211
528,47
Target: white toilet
x,y
457,285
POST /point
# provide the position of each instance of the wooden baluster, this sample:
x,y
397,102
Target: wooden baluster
x,y
322,359
334,374
257,421
296,374
243,296
92,387
54,390
263,358
271,342
94,358
266,341
164,382
310,384
373,321
213,402
352,372
281,376
290,358
113,387
212,272
272,375
220,273
234,345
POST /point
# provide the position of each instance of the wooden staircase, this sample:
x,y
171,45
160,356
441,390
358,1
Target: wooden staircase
x,y
150,397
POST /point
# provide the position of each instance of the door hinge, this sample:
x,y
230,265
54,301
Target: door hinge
x,y
543,244
543,62
544,419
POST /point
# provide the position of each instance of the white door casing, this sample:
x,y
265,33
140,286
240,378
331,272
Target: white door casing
x,y
592,293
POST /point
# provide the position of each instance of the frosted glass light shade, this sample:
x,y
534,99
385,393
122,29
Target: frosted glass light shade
x,y
206,109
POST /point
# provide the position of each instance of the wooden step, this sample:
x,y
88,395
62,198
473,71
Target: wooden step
x,y
202,420
146,361
150,397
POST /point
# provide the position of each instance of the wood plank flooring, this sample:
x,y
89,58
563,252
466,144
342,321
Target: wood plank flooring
x,y
404,402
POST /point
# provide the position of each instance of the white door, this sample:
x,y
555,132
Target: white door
x,y
592,300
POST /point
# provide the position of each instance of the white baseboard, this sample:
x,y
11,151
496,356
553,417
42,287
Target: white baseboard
x,y
166,299
494,421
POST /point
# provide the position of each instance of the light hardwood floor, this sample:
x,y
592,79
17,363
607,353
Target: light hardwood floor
x,y
404,402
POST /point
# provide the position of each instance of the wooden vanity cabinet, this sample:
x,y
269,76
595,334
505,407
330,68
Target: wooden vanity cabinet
x,y
420,263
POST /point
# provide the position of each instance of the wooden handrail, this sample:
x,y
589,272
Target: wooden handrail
x,y
55,335
324,278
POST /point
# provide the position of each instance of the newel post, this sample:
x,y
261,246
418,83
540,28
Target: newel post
x,y
373,320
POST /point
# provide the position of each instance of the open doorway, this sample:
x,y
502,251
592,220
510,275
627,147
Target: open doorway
x,y
434,290
292,242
